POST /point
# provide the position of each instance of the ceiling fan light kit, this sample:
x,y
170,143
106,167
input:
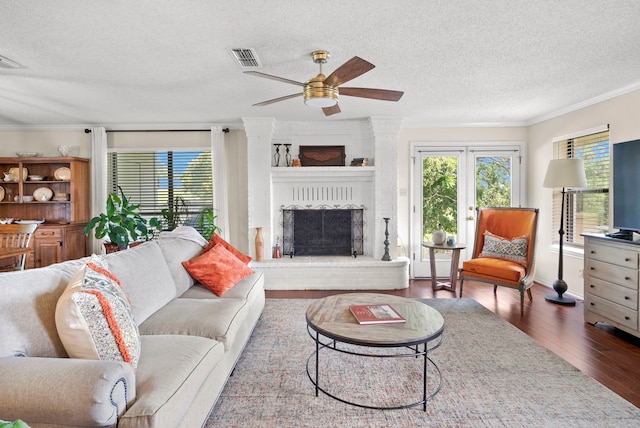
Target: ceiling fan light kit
x,y
323,92
317,94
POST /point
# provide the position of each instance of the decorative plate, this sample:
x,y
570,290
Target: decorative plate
x,y
63,174
42,194
15,173
1,193
40,221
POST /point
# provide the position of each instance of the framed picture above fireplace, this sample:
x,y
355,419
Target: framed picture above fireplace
x,y
322,155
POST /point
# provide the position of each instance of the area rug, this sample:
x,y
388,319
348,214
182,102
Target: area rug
x,y
493,375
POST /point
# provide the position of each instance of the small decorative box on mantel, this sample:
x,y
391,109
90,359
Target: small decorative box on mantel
x,y
322,155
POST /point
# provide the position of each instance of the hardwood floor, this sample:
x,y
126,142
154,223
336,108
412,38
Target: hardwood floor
x,y
605,353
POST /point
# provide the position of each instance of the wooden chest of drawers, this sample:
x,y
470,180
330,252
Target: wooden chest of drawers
x,y
611,283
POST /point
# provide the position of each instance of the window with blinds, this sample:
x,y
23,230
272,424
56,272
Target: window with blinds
x,y
169,185
587,210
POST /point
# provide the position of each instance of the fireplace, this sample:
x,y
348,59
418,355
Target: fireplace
x,y
323,232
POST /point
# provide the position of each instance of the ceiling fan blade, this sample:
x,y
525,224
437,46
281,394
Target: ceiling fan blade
x,y
376,94
275,100
349,70
269,76
328,111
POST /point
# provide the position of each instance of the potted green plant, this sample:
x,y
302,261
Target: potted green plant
x,y
206,222
122,223
176,214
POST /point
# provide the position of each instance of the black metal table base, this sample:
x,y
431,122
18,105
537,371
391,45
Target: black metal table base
x,y
416,353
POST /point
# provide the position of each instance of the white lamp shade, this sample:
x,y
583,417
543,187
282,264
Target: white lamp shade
x,y
565,173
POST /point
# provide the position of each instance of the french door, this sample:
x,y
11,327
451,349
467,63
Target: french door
x,y
447,186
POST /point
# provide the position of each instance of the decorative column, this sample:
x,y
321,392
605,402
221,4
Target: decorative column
x,y
384,132
259,140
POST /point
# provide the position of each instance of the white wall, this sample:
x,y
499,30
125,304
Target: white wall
x,y
45,142
621,113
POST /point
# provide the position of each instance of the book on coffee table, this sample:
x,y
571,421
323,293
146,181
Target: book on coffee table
x,y
376,314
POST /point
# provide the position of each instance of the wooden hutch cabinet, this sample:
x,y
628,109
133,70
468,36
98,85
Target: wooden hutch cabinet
x,y
60,188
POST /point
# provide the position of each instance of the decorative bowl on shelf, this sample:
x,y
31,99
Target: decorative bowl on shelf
x,y
38,221
27,198
42,194
14,174
62,174
36,177
6,220
27,154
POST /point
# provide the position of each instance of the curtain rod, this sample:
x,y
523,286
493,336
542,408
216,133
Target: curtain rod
x,y
225,130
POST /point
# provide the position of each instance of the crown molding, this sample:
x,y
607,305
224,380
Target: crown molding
x,y
591,101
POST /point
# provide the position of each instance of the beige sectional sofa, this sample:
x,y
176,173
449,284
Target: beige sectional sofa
x,y
190,341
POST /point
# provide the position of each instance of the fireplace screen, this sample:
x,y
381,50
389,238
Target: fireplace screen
x,y
322,232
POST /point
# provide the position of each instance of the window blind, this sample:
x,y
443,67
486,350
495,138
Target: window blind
x,y
586,210
156,180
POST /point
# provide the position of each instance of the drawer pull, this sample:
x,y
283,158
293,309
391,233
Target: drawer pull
x,y
626,278
627,298
592,304
592,268
627,318
593,252
627,259
592,286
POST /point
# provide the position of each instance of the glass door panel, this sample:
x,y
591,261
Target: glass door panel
x,y
449,185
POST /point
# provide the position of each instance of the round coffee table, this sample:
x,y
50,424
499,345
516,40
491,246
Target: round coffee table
x,y
330,318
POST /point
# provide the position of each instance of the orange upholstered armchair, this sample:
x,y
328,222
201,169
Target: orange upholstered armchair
x,y
503,253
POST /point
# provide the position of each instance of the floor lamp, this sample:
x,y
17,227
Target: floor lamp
x,y
563,173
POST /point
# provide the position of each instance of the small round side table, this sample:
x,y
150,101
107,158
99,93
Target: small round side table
x,y
449,285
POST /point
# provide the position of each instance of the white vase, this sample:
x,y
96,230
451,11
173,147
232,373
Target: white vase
x,y
64,150
439,236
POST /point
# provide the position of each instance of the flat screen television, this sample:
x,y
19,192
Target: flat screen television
x,y
626,188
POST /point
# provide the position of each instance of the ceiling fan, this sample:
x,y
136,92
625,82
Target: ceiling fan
x,y
322,91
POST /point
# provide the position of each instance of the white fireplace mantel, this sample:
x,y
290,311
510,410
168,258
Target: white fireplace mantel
x,y
374,187
323,173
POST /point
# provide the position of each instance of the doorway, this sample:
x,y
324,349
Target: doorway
x,y
448,184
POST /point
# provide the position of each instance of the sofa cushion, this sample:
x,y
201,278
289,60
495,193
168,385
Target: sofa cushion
x,y
217,269
217,240
495,268
217,319
498,247
179,245
28,307
245,289
171,372
94,318
145,278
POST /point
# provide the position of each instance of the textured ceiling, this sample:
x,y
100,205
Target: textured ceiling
x,y
148,63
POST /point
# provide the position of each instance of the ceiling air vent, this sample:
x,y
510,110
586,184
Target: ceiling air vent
x,y
7,63
246,57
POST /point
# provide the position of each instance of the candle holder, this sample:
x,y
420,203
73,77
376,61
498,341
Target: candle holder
x,y
386,257
287,155
276,156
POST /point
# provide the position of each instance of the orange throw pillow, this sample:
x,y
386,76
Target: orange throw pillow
x,y
217,269
215,240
